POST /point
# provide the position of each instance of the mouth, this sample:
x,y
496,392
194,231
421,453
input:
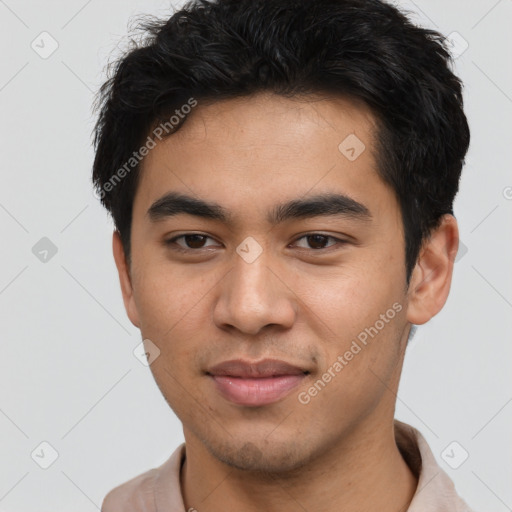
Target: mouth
x,y
254,384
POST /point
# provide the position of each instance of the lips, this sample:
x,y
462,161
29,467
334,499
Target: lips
x,y
255,384
261,369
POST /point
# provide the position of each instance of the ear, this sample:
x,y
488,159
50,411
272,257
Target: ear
x,y
125,279
432,275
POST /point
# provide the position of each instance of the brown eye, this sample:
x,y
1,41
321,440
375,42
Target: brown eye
x,y
318,241
195,241
191,241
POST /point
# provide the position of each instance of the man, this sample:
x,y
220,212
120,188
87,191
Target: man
x,y
281,176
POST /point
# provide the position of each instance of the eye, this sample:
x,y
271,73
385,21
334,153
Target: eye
x,y
197,241
318,241
192,241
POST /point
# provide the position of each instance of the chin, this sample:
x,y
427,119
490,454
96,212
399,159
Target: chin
x,y
263,456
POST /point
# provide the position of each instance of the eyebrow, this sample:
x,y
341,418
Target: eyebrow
x,y
329,204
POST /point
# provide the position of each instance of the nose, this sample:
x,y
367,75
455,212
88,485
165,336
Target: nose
x,y
254,296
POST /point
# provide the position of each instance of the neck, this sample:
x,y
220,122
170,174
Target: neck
x,y
363,471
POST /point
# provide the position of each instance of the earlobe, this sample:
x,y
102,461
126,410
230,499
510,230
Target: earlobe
x,y
431,278
124,279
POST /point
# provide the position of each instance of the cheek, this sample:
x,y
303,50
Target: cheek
x,y
171,315
360,317
346,300
358,368
174,311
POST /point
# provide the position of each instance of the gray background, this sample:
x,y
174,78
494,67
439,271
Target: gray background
x,y
68,375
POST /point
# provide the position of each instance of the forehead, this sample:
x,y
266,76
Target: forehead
x,y
249,152
267,120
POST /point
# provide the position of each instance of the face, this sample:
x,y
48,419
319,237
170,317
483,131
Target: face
x,y
318,286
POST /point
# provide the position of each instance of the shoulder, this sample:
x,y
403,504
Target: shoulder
x,y
135,495
153,490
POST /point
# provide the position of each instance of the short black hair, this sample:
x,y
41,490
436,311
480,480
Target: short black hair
x,y
211,50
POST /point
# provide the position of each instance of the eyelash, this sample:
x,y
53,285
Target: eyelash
x,y
172,242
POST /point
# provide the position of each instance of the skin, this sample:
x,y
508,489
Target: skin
x,y
296,302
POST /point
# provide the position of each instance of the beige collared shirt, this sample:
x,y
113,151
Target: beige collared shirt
x,y
158,490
